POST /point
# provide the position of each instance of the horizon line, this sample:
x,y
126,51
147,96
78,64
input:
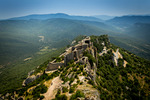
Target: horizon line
x,y
76,15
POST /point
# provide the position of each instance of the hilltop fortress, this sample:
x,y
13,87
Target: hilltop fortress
x,y
74,53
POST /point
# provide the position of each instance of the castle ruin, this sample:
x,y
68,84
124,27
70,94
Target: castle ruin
x,y
73,53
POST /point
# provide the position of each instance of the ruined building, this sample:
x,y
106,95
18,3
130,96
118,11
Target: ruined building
x,y
73,53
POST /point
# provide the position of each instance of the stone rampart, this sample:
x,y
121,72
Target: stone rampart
x,y
53,66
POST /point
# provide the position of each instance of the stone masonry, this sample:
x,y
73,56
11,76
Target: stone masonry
x,y
72,53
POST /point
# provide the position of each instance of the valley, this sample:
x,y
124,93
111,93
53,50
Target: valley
x,y
26,42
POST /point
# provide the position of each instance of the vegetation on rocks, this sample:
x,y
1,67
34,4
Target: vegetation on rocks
x,y
118,82
76,95
39,90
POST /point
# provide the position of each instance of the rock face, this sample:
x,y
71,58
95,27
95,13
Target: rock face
x,y
30,79
90,92
30,73
116,56
52,90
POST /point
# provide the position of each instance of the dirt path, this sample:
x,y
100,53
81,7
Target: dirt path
x,y
52,90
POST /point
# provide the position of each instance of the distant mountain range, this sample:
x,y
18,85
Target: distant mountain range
x,y
57,15
21,33
126,21
122,21
59,28
104,17
140,30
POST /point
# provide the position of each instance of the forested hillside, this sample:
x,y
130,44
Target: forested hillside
x,y
106,72
130,81
22,37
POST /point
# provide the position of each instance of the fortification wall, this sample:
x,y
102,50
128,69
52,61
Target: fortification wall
x,y
53,66
68,57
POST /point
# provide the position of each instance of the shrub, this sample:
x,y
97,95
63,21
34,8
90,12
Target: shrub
x,y
64,89
54,74
120,62
38,90
91,82
61,97
71,80
41,97
72,89
81,67
84,73
90,57
74,69
78,81
58,92
58,59
76,76
77,94
78,72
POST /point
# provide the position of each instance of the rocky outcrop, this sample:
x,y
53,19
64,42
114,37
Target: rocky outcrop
x,y
89,92
31,72
116,56
52,90
30,79
103,52
125,63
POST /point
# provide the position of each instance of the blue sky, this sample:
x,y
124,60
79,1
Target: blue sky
x,y
14,8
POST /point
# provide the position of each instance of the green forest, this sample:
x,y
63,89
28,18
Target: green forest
x,y
117,82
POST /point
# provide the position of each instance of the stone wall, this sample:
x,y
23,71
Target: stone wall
x,y
68,57
54,66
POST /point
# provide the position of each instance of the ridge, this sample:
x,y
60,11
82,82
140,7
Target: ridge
x,y
90,69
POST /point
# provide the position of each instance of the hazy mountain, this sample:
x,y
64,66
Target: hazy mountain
x,y
104,17
140,30
135,26
126,21
57,15
23,35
